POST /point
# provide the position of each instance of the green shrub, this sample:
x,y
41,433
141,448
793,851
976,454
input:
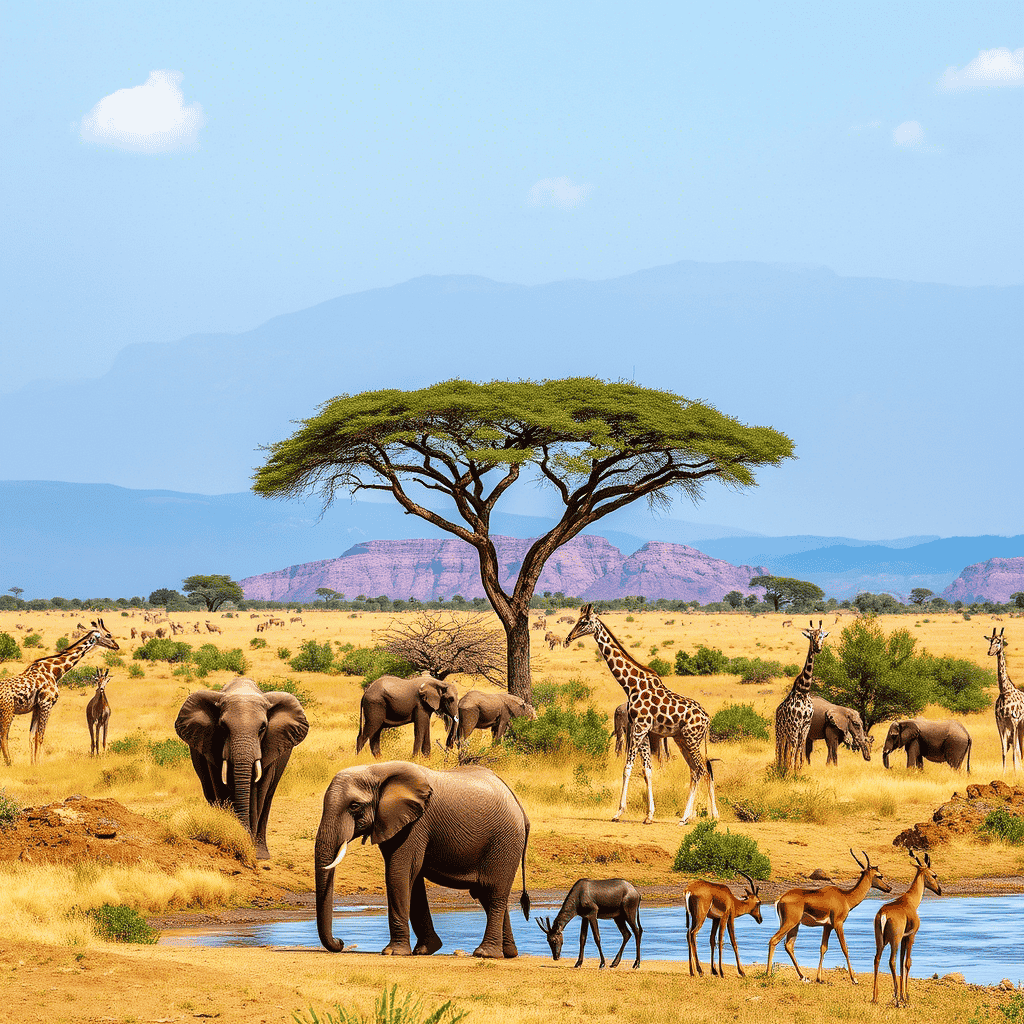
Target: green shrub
x,y
257,643
736,721
9,649
78,677
559,729
960,684
162,649
572,692
707,661
284,653
313,657
388,1010
372,663
10,810
133,743
113,660
661,666
62,643
32,640
283,684
169,751
1000,824
705,850
122,924
760,670
136,671
210,659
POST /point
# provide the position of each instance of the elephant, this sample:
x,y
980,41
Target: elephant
x,y
943,740
464,829
479,710
390,701
658,744
835,724
250,732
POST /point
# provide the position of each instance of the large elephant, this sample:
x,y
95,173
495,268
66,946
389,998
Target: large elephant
x,y
463,829
390,701
943,740
835,724
240,739
479,710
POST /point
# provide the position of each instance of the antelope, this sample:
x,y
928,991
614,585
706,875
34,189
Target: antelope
x,y
787,622
896,924
295,618
145,635
826,908
711,898
211,628
552,641
591,899
161,633
97,712
135,632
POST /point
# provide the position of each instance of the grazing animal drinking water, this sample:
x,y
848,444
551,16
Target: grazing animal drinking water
x,y
896,924
592,899
825,908
97,712
704,899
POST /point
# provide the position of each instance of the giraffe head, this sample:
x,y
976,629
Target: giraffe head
x,y
100,636
816,636
586,625
101,678
996,644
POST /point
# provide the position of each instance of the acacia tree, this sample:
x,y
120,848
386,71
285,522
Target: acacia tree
x,y
919,595
782,590
442,643
214,590
599,445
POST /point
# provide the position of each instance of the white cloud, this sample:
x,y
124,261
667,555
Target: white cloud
x,y
558,192
909,135
995,67
150,118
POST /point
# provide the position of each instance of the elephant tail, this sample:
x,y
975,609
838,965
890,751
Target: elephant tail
x,y
969,742
524,900
360,740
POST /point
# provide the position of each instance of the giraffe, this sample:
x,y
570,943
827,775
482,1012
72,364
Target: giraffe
x,y
793,715
652,709
35,689
1009,704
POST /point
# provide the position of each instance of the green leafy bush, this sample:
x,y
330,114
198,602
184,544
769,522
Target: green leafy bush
x,y
283,684
257,643
313,657
210,659
78,677
136,671
561,729
9,649
32,640
1000,824
388,1010
163,649
120,923
760,670
706,661
62,643
169,751
133,743
737,721
284,653
661,666
372,663
960,684
113,660
10,810
705,850
572,692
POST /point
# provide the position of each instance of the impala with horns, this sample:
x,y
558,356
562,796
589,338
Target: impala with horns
x,y
825,908
714,900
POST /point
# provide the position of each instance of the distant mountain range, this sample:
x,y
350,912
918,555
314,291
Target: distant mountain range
x,y
98,540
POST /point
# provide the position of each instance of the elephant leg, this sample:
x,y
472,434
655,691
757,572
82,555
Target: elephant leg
x,y
400,874
501,726
508,939
420,733
496,907
372,717
428,940
468,721
266,788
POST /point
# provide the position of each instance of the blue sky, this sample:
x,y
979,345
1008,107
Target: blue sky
x,y
319,149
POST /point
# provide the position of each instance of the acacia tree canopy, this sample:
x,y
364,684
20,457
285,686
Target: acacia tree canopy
x,y
599,445
214,590
782,590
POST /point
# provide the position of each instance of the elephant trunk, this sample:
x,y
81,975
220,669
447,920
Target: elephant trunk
x,y
330,848
243,763
885,755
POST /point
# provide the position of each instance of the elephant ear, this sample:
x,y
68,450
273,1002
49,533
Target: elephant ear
x,y
430,694
841,723
197,722
404,796
287,725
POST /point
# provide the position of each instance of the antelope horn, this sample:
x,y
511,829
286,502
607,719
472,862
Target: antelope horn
x,y
867,858
927,860
856,858
541,926
750,881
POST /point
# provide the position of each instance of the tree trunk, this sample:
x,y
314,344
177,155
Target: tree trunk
x,y
520,681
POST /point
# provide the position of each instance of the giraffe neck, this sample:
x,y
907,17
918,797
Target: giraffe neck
x,y
1005,685
802,683
57,664
610,647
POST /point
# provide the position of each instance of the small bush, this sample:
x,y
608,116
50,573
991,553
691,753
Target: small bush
x,y
960,684
33,640
372,663
210,659
257,643
282,684
560,728
162,649
78,677
707,851
660,666
9,649
313,657
9,810
133,743
284,653
759,670
738,721
707,661
572,692
62,643
119,923
388,1010
168,752
113,660
1000,824
136,671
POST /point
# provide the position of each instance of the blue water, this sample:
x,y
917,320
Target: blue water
x,y
975,936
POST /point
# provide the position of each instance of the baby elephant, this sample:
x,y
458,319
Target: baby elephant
x,y
97,712
943,740
478,710
591,899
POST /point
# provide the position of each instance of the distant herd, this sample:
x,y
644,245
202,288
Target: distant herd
x,y
466,829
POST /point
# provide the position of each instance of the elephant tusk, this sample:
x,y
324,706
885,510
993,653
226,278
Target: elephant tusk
x,y
337,860
224,771
259,770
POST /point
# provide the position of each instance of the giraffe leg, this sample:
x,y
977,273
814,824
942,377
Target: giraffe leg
x,y
692,755
645,753
638,742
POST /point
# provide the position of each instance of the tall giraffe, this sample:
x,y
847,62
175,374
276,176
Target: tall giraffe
x,y
793,715
652,709
35,689
1009,704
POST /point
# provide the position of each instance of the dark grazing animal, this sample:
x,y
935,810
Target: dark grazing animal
x,y
592,899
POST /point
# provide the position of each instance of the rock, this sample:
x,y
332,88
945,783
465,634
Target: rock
x,y
820,876
1006,985
994,580
104,829
954,979
587,566
962,816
